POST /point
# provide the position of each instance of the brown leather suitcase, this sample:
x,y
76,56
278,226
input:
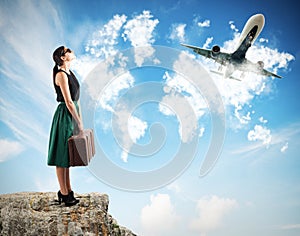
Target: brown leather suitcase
x,y
81,148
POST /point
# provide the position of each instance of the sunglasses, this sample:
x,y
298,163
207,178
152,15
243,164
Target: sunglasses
x,y
66,51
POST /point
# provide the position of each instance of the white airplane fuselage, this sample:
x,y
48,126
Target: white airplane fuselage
x,y
254,21
250,32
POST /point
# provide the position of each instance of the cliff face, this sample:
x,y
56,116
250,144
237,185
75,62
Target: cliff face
x,y
31,213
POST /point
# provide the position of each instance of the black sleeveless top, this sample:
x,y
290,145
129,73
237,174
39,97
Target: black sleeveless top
x,y
74,87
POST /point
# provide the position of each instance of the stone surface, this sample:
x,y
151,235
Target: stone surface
x,y
33,213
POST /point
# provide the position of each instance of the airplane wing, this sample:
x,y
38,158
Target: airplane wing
x,y
226,58
254,67
220,57
269,73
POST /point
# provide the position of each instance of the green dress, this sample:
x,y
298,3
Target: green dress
x,y
63,126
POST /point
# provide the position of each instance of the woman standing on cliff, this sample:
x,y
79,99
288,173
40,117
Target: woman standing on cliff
x,y
63,126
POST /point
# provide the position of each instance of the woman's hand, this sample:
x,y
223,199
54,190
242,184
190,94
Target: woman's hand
x,y
80,126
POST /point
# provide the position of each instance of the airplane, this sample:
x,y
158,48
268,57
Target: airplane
x,y
237,60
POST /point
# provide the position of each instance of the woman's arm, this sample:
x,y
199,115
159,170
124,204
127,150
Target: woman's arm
x,y
61,80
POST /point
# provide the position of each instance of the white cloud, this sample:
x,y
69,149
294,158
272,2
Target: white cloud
x,y
201,80
243,119
279,138
174,187
193,95
232,26
198,23
172,104
166,110
139,30
178,32
205,23
128,129
184,95
284,147
83,65
290,226
9,149
112,91
187,120
263,40
208,42
201,132
260,133
211,212
262,120
103,42
159,217
108,80
102,45
141,54
272,58
124,156
136,128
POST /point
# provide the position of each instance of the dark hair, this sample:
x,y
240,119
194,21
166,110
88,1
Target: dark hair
x,y
57,54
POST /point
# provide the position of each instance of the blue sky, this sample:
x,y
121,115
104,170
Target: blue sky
x,y
253,188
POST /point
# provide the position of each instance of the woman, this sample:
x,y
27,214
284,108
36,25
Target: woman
x,y
65,121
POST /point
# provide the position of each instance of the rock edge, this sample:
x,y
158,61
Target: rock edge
x,y
38,213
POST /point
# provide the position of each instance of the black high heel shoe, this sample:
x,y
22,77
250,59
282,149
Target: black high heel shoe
x,y
66,199
72,197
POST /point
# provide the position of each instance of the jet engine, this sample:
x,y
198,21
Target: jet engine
x,y
260,65
215,51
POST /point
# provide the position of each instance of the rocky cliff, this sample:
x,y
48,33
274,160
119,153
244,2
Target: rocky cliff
x,y
31,213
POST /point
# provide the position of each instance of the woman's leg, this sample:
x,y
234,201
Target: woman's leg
x,y
68,181
62,177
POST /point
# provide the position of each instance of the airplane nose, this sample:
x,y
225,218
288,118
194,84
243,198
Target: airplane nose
x,y
259,17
